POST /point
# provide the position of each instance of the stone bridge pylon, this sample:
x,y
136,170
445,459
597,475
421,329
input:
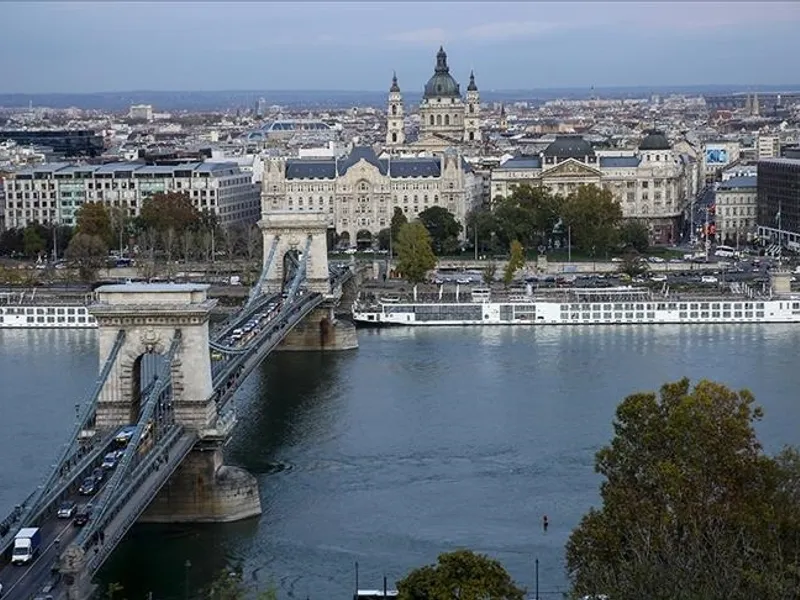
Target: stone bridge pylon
x,y
202,489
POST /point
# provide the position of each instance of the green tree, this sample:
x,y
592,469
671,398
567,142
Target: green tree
x,y
633,264
485,222
112,589
398,220
444,229
32,241
415,256
594,217
489,272
87,253
692,508
516,261
384,239
460,575
633,233
94,218
529,214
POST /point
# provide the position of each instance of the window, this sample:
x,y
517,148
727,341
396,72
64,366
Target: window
x,y
447,119
394,137
394,109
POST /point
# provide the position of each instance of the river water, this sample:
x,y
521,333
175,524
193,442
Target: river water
x,y
419,442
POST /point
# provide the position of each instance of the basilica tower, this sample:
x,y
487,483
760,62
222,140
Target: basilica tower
x,y
395,133
472,120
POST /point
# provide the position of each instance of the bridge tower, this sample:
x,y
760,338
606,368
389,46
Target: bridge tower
x,y
287,236
202,489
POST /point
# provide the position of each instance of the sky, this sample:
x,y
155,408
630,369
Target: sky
x,y
110,45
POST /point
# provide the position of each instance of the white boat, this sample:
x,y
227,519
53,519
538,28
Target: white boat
x,y
19,312
589,306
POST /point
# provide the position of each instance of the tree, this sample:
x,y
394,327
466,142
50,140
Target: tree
x,y
229,585
485,222
634,234
515,262
529,214
112,589
87,253
384,240
414,253
444,229
93,218
633,264
32,241
691,505
460,575
594,217
169,210
488,273
398,220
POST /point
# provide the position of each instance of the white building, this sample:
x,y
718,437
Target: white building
x,y
360,191
736,200
446,117
141,111
768,146
52,193
718,155
653,184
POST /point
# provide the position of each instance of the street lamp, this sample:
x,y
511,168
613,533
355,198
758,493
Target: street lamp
x,y
187,565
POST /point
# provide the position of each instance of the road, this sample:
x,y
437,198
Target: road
x,y
24,581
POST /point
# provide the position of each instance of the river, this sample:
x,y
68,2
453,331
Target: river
x,y
421,441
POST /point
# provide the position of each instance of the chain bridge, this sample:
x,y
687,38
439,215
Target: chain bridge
x,y
150,433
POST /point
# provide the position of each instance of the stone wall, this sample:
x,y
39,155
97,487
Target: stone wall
x,y
321,330
203,490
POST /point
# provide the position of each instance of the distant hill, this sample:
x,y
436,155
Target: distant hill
x,y
320,99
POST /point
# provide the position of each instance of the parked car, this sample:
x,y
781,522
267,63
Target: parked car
x,y
88,487
67,509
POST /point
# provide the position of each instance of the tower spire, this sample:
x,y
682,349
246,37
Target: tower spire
x,y
395,87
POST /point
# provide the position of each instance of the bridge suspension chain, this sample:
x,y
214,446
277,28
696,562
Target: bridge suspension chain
x,y
88,408
163,383
300,273
255,292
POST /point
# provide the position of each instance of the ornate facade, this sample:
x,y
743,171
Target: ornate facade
x,y
360,191
446,117
653,184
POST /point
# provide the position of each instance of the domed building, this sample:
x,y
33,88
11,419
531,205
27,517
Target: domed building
x,y
446,117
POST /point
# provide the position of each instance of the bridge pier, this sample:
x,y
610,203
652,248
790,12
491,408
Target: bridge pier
x,y
321,330
204,490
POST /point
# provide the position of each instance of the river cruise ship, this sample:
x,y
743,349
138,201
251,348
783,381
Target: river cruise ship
x,y
18,311
584,306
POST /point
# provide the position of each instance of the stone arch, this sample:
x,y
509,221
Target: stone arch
x,y
471,136
431,119
364,239
394,136
291,262
344,239
394,109
447,119
438,119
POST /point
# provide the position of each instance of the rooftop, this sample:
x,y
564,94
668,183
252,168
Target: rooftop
x,y
739,182
152,288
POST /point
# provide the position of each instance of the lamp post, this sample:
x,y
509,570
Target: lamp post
x,y
569,243
187,565
537,580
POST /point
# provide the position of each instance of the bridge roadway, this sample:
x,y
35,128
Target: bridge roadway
x,y
160,460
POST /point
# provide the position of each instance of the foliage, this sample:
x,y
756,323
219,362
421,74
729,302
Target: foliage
x,y
384,239
32,241
633,264
94,219
398,220
692,507
529,214
634,234
111,591
489,272
414,253
594,217
516,261
164,211
461,575
444,229
229,585
87,253
485,222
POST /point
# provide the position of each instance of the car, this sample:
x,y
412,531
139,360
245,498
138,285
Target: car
x,y
125,434
99,474
88,487
109,461
67,509
83,516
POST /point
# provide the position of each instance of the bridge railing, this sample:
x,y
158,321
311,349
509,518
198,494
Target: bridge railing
x,y
44,495
241,317
163,459
154,398
257,289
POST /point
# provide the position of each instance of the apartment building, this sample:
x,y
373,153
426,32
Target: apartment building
x,y
52,193
736,210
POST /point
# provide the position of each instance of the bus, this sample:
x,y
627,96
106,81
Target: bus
x,y
725,252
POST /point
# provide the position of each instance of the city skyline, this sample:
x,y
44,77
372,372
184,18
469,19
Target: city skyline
x,y
357,46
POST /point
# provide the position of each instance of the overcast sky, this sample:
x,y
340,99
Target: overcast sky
x,y
116,46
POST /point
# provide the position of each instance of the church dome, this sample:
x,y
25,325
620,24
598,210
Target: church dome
x,y
569,146
442,83
395,88
655,140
